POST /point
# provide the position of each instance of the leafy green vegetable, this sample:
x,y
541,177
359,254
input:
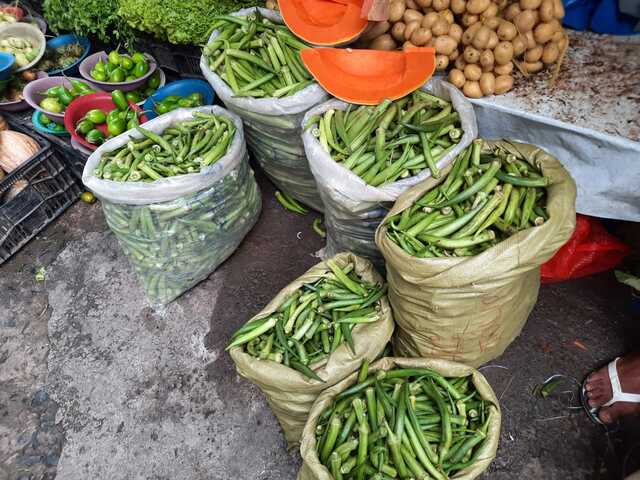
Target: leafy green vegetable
x,y
178,21
97,18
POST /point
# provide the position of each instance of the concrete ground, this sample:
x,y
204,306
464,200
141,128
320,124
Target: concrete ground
x,y
95,384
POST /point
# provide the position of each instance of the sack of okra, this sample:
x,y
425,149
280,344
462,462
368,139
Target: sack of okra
x,y
363,158
253,64
178,194
403,418
314,333
463,253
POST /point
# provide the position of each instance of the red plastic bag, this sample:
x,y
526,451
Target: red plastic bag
x,y
591,249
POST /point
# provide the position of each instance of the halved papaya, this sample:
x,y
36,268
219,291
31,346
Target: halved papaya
x,y
367,77
324,22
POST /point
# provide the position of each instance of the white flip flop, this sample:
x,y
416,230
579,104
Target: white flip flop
x,y
618,394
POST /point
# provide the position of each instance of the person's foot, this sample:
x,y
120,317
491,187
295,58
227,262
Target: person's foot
x,y
599,390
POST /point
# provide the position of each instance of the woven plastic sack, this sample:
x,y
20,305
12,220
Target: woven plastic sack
x,y
273,127
591,249
176,231
469,309
354,209
312,469
289,393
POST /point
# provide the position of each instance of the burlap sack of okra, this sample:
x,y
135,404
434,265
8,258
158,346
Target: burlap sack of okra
x,y
469,309
289,393
177,230
273,127
312,469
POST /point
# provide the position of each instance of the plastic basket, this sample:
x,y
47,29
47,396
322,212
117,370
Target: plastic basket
x,y
50,190
182,60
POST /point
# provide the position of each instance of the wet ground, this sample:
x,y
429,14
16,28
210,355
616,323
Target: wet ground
x,y
95,384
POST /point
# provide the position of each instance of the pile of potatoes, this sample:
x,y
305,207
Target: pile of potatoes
x,y
481,40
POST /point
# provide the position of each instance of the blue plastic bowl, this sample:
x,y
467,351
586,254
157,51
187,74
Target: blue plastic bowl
x,y
6,64
181,88
41,127
63,40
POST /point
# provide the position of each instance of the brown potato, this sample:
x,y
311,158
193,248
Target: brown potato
x,y
421,36
471,55
410,28
460,63
557,36
507,31
472,89
445,45
476,7
423,3
407,45
457,77
412,4
546,11
487,59
383,42
503,53
490,12
493,40
460,6
503,84
396,10
505,69
473,72
439,5
550,53
442,62
411,15
429,19
440,27
525,21
534,54
564,41
468,19
533,67
558,9
531,41
481,38
454,55
397,31
530,4
375,30
492,22
448,16
519,45
487,83
543,33
467,36
502,4
512,11
455,32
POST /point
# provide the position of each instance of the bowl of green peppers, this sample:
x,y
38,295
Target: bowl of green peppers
x,y
118,71
186,93
93,119
52,95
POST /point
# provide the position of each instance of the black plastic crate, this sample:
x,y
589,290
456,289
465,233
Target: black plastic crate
x,y
50,189
182,60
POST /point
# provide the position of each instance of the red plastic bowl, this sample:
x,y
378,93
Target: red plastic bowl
x,y
81,105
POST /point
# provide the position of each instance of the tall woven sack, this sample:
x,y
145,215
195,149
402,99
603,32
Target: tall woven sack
x,y
470,309
312,469
289,393
273,127
353,209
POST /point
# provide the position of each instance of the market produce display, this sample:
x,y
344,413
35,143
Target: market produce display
x,y
13,90
391,141
61,57
172,102
146,89
368,77
403,423
314,321
257,58
50,124
120,67
185,147
24,49
58,98
484,199
481,40
15,149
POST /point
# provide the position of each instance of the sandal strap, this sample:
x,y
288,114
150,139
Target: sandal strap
x,y
616,387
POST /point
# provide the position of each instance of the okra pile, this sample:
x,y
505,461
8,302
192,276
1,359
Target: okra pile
x,y
394,140
314,321
257,57
485,199
403,423
185,147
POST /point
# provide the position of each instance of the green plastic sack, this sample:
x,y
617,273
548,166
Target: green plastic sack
x,y
312,469
289,393
469,309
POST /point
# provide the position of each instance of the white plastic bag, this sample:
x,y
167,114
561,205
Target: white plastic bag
x,y
353,208
273,127
178,230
